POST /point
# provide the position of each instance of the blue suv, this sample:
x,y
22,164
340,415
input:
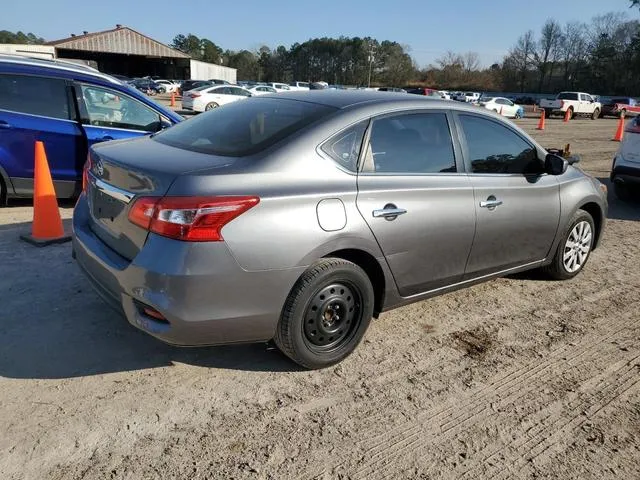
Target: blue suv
x,y
69,107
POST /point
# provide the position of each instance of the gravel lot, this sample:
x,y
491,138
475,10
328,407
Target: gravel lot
x,y
516,378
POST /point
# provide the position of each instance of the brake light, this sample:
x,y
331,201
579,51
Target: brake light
x,y
194,95
191,219
85,174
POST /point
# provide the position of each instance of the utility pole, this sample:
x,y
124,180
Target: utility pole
x,y
371,57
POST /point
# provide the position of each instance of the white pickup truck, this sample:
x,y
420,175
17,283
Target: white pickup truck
x,y
577,103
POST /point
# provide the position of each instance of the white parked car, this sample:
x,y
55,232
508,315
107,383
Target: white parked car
x,y
444,94
209,97
262,89
280,87
167,85
503,106
299,86
469,97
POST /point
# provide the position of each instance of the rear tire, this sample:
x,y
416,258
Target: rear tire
x,y
574,248
326,314
572,115
211,106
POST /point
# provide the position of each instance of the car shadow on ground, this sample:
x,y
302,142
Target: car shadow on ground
x,y
53,325
622,210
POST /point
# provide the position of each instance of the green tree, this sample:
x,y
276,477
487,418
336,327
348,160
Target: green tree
x,y
20,38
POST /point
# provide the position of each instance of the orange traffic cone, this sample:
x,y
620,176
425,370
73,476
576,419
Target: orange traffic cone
x,y
173,99
541,122
567,116
47,224
620,130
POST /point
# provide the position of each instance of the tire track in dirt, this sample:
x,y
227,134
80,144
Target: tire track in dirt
x,y
542,427
384,449
527,448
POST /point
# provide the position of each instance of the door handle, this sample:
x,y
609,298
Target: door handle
x,y
5,125
491,203
389,212
106,138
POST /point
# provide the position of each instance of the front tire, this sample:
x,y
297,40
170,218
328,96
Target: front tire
x,y
574,249
595,114
326,314
622,192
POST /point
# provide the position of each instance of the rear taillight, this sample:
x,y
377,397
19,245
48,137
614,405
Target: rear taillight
x,y
85,174
194,95
192,219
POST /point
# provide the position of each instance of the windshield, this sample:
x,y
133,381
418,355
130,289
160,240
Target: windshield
x,y
487,99
243,128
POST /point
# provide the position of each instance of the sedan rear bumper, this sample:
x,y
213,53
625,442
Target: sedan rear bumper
x,y
199,288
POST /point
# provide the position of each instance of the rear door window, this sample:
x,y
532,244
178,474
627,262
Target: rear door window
x,y
42,96
568,96
410,144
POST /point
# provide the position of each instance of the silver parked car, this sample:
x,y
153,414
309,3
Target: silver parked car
x,y
298,218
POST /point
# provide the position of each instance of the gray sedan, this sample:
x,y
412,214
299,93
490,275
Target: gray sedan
x,y
300,218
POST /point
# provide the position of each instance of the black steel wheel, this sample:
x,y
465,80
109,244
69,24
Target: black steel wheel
x,y
331,316
326,314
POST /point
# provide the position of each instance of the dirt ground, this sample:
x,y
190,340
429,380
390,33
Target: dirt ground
x,y
516,378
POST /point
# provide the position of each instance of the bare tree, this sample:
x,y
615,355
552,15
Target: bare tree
x,y
470,62
548,49
521,57
450,60
573,49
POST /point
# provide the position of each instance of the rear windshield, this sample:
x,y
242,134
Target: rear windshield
x,y
567,96
243,128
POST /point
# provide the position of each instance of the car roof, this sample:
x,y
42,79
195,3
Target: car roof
x,y
61,66
350,98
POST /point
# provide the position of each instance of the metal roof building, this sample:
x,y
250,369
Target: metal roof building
x,y
125,51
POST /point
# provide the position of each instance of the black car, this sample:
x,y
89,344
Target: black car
x,y
146,85
191,84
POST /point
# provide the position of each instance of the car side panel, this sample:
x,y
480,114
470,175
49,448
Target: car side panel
x,y
63,141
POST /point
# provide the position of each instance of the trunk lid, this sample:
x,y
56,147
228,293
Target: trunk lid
x,y
121,171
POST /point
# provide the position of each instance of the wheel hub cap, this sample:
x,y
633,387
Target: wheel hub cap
x,y
331,316
577,247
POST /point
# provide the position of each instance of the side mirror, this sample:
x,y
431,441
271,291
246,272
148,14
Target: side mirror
x,y
555,164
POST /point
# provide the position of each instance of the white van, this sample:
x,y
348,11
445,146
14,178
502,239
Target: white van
x,y
299,85
280,87
469,97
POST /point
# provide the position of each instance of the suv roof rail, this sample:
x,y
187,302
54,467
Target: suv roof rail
x,y
57,64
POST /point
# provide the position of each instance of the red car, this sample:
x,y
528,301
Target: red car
x,y
617,106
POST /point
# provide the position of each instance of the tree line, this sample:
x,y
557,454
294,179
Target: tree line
x,y
601,56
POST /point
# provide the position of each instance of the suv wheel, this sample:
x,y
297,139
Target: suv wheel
x,y
573,251
326,314
596,114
